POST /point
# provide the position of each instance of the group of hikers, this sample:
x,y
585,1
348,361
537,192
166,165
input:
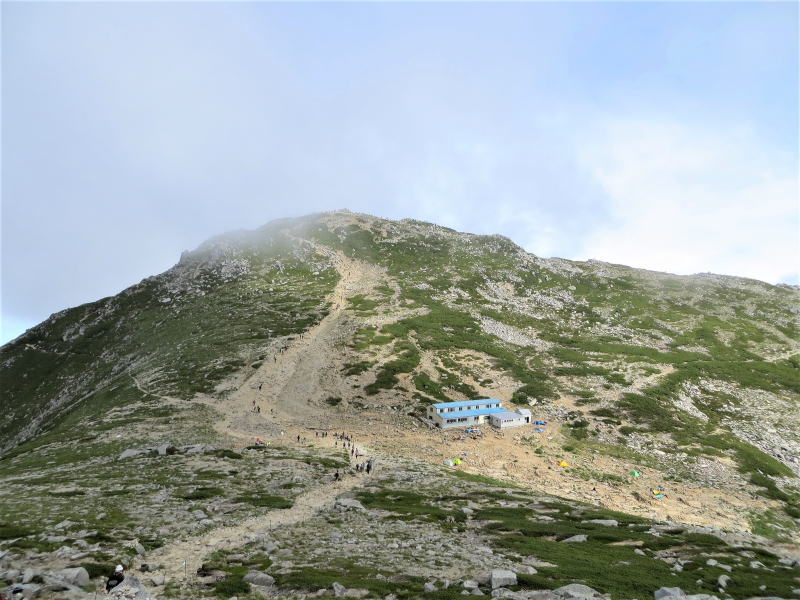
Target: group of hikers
x,y
364,467
347,443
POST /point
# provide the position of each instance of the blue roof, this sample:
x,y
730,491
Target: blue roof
x,y
466,403
472,413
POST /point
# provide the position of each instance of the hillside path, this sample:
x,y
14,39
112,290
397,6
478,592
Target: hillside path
x,y
182,559
294,376
289,381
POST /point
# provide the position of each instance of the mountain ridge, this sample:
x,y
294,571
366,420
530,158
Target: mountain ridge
x,y
346,322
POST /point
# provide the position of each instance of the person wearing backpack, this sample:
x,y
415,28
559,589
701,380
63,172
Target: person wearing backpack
x,y
115,579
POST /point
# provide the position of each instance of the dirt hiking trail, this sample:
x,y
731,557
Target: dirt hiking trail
x,y
284,387
181,560
294,375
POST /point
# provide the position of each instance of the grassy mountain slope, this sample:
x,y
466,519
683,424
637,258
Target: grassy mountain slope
x,y
349,322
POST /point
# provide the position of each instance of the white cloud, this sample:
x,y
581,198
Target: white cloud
x,y
689,199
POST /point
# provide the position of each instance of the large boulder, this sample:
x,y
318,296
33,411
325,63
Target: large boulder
x,y
344,504
502,578
29,590
605,522
576,538
75,576
196,448
669,592
540,595
28,575
165,449
130,453
259,578
504,593
576,591
130,589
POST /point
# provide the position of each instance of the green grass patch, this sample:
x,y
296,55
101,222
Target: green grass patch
x,y
265,500
202,493
406,362
10,531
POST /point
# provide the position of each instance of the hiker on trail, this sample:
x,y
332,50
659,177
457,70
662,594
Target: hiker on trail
x,y
369,466
298,438
316,434
336,476
115,579
258,409
259,386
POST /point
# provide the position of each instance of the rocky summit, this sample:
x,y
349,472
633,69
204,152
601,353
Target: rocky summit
x,y
257,422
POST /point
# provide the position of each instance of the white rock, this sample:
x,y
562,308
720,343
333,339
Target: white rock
x,y
259,578
576,538
343,504
669,592
75,576
501,578
576,590
606,522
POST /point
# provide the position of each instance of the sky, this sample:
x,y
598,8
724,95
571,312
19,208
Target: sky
x,y
658,135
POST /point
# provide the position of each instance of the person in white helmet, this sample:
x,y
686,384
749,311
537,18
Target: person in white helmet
x,y
115,579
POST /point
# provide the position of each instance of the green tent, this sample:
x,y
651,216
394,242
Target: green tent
x,y
636,473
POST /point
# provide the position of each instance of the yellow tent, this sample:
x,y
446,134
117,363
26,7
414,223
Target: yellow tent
x,y
563,464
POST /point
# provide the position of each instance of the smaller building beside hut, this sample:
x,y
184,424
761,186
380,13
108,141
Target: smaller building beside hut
x,y
506,419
